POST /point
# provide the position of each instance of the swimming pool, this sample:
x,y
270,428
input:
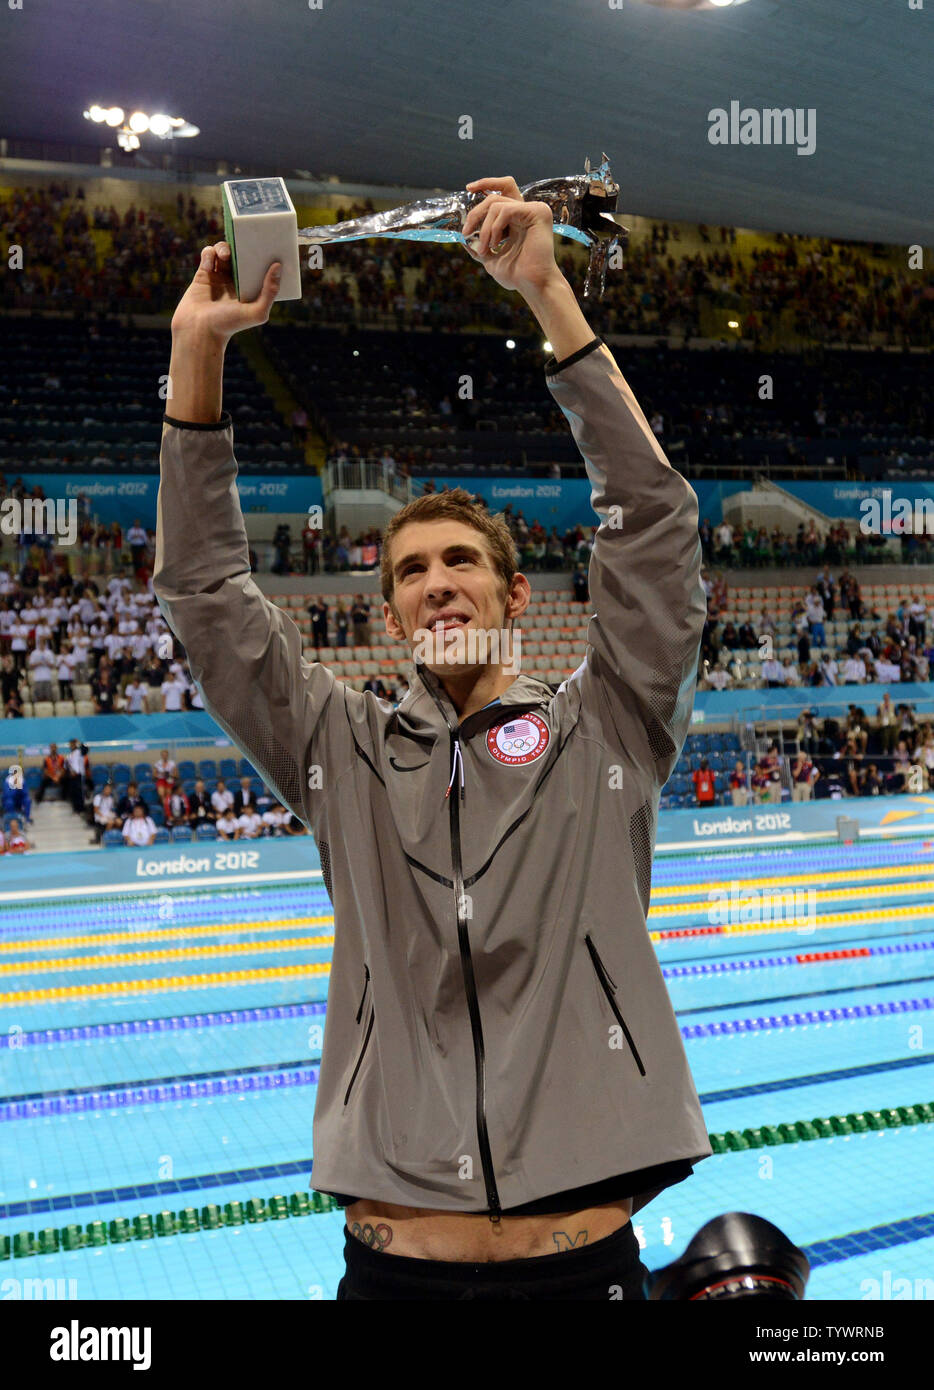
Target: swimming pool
x,y
159,1050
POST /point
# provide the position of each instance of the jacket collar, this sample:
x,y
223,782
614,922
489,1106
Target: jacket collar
x,y
427,706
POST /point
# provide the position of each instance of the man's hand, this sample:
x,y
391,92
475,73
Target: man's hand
x,y
523,232
210,306
525,261
208,315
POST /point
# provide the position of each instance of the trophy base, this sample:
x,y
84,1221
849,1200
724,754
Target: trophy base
x,y
260,226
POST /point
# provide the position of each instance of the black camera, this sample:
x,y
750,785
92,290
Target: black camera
x,y
733,1256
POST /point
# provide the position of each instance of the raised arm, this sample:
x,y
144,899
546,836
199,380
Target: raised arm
x,y
641,666
245,654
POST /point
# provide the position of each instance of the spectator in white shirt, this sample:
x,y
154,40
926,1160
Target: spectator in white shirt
x,y
773,673
226,824
854,671
172,692
40,662
718,678
19,641
139,829
221,799
67,661
134,693
164,771
249,825
887,671
105,810
275,820
790,672
828,670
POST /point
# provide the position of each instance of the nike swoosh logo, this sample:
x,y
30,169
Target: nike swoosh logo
x,y
394,764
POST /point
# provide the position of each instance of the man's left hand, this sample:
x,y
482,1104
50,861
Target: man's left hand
x,y
522,232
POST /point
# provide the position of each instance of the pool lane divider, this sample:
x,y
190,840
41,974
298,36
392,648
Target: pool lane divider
x,y
722,967
169,930
146,1027
883,873
122,1096
222,979
256,1210
165,1223
826,920
223,948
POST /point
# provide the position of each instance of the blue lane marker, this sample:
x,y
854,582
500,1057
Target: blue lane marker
x,y
791,1083
169,1186
777,1021
912,1228
108,1086
224,1084
135,1026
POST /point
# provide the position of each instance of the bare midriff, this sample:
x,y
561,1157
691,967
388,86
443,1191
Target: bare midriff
x,y
426,1234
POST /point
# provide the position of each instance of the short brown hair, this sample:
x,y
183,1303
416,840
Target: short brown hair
x,y
456,504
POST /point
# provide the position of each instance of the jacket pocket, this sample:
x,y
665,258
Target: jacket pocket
x,y
609,989
362,1054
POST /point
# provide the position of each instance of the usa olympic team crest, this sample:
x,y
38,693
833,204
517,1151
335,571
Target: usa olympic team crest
x,y
520,740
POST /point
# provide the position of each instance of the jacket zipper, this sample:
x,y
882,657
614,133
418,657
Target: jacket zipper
x,y
470,986
609,989
366,1042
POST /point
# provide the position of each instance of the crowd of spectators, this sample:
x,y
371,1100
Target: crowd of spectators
x,y
826,290
887,753
890,647
756,547
110,639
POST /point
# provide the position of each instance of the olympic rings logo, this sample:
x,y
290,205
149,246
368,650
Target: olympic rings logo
x,y
519,745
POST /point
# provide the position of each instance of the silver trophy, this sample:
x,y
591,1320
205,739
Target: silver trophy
x,y
261,225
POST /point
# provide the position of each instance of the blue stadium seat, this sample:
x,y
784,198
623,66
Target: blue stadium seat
x,y
121,772
227,768
181,832
147,791
142,772
99,776
110,838
206,832
161,836
247,769
157,814
187,769
207,768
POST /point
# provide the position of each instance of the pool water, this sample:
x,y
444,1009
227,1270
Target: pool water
x,y
159,1051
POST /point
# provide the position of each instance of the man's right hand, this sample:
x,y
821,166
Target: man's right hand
x,y
210,307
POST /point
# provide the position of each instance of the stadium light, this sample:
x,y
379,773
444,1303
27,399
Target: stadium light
x,y
510,343
160,125
546,346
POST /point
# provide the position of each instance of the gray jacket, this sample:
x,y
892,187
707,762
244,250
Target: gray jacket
x,y
498,1028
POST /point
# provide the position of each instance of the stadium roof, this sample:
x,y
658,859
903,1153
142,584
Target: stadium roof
x,y
374,91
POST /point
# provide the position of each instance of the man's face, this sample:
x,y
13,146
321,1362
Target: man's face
x,y
444,567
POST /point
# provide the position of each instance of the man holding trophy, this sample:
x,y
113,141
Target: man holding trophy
x,y
503,1082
